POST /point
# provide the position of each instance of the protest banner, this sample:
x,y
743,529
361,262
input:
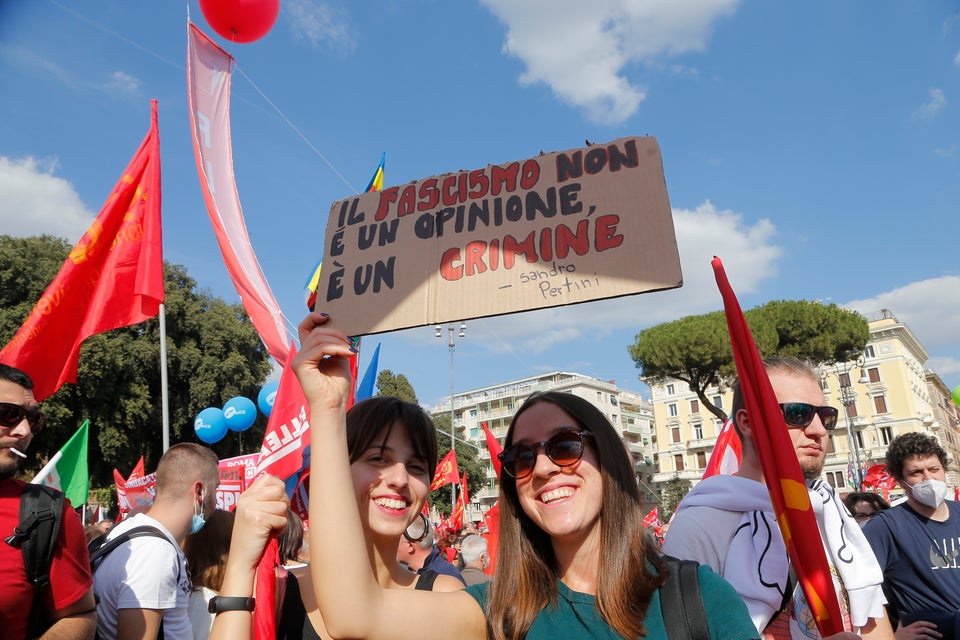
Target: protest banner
x,y
560,228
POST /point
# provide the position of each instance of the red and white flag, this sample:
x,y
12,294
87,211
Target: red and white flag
x,y
113,277
652,521
208,90
727,453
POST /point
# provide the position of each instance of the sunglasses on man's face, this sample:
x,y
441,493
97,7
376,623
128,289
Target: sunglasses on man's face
x,y
565,449
13,414
800,415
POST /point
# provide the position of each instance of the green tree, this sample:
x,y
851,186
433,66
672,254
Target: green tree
x,y
673,492
213,354
396,386
697,350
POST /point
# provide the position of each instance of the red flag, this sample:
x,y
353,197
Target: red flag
x,y
447,472
288,429
456,520
492,519
652,521
877,476
113,277
138,471
286,437
493,446
727,453
778,459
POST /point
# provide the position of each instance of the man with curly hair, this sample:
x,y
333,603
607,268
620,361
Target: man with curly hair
x,y
918,542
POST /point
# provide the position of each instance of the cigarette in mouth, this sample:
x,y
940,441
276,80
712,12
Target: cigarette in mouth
x,y
19,453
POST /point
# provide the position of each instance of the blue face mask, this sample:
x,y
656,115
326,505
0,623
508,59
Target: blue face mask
x,y
198,520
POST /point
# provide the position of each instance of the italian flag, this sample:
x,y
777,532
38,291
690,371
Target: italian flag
x,y
67,469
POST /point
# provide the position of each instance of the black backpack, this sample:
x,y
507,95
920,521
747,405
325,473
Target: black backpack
x,y
41,511
681,604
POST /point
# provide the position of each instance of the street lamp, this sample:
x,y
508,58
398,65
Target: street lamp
x,y
452,344
847,397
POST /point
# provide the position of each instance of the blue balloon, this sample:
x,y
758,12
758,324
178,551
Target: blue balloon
x,y
210,425
240,413
266,397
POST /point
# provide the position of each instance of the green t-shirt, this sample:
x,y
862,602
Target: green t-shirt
x,y
576,616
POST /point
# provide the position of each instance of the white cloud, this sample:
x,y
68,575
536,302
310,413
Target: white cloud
x,y
933,106
319,23
749,257
580,49
122,83
945,367
931,308
33,201
945,152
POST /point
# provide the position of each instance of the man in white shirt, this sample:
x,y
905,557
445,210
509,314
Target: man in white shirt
x,y
143,583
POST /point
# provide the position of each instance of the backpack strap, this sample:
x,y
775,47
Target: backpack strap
x,y
106,548
41,510
425,580
681,605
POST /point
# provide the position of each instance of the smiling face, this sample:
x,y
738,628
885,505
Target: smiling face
x,y
18,436
564,502
809,442
390,480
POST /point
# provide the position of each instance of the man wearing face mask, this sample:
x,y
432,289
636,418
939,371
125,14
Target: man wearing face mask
x,y
143,583
918,542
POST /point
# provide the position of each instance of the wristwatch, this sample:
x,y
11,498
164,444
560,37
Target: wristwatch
x,y
219,604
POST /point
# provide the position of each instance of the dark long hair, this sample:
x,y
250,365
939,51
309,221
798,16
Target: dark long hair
x,y
525,580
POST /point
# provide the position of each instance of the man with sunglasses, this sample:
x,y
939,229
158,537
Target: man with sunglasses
x,y
918,541
728,522
68,602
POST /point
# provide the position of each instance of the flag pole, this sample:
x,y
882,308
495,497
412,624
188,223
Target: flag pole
x,y
164,403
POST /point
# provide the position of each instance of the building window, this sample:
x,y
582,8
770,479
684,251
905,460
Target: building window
x,y
868,351
672,410
473,413
613,418
701,460
844,380
835,478
859,435
880,404
886,435
670,389
718,402
874,374
694,406
613,399
698,431
675,434
599,397
851,408
717,427
678,462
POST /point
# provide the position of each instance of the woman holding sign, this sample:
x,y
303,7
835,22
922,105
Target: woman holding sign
x,y
574,559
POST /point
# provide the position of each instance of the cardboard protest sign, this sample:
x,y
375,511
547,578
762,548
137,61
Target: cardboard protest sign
x,y
561,228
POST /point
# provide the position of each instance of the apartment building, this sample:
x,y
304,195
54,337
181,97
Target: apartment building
x,y
495,405
884,393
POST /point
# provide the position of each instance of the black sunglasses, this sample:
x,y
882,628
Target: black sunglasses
x,y
13,414
564,448
800,415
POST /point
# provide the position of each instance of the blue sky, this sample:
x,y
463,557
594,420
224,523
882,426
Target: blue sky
x,y
815,147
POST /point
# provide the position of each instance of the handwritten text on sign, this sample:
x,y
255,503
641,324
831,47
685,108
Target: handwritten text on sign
x,y
560,228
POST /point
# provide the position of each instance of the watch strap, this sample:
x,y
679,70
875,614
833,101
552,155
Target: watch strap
x,y
219,604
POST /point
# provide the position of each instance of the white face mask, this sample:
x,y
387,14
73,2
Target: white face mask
x,y
929,492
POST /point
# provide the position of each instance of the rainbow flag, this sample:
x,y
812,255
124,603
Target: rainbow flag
x,y
376,181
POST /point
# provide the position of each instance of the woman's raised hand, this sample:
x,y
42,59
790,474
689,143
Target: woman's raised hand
x,y
322,364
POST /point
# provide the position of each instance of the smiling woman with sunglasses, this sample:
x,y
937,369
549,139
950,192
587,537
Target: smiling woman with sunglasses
x,y
574,559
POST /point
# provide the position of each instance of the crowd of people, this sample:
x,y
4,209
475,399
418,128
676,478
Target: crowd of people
x,y
574,559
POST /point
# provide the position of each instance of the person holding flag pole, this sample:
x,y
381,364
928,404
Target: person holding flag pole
x,y
775,531
562,566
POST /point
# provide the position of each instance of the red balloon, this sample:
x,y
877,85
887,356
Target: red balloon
x,y
240,20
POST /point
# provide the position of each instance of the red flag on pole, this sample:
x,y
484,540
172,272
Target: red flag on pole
x,y
493,446
447,472
456,520
113,277
727,453
652,521
492,519
878,477
778,459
